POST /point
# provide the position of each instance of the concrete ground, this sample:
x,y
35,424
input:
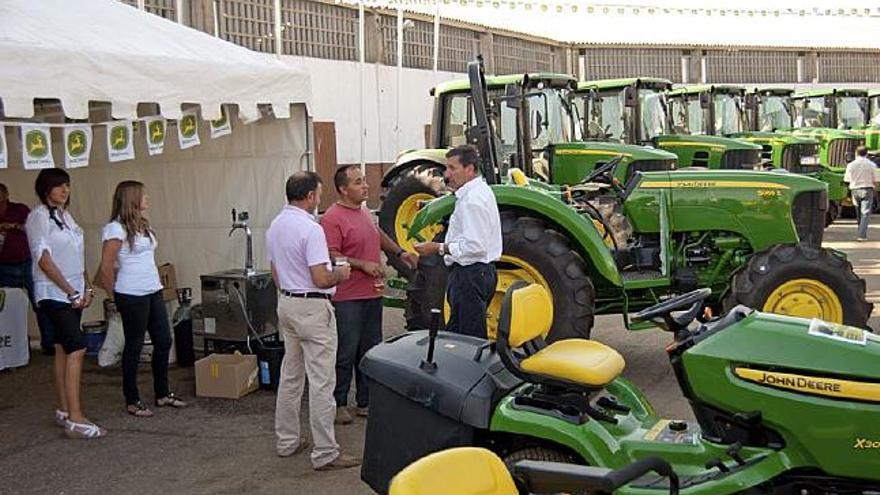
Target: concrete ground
x,y
226,446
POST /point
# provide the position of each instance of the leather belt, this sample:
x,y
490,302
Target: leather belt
x,y
306,295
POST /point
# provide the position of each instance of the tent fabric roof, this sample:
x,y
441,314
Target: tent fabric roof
x,y
104,50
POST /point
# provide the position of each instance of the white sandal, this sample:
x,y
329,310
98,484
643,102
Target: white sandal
x,y
61,418
86,431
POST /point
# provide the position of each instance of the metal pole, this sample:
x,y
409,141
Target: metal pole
x,y
178,9
361,50
399,79
216,19
276,9
141,4
436,33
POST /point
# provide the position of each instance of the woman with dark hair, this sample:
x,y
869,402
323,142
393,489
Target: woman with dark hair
x,y
61,290
130,244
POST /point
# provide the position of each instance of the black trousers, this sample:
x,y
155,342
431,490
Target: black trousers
x,y
469,290
141,314
359,327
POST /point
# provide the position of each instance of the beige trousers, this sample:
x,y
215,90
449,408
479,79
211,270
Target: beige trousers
x,y
310,340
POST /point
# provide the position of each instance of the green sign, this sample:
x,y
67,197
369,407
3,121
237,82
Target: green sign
x,y
188,126
119,138
77,143
36,143
156,132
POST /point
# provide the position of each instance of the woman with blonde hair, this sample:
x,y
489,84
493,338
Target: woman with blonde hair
x,y
61,290
130,244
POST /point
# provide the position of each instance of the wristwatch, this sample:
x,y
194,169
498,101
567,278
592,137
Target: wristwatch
x,y
442,249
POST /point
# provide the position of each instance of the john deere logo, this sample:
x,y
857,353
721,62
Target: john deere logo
x,y
156,132
36,143
119,138
76,143
188,126
219,122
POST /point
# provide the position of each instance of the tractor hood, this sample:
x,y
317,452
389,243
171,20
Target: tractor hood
x,y
777,179
773,138
715,143
630,152
825,133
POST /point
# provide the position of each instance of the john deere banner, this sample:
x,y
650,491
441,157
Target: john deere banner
x,y
3,160
221,126
77,145
119,143
155,128
188,129
36,146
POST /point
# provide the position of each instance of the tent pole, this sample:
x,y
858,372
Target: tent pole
x,y
361,49
178,10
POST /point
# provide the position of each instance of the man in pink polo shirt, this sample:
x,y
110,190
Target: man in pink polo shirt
x,y
352,233
301,268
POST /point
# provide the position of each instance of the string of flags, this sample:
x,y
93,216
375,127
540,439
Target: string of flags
x,y
627,9
36,139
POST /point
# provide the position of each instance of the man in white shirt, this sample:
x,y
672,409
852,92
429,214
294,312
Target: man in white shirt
x,y
472,244
861,177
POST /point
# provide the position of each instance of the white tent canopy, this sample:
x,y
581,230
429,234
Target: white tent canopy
x,y
104,50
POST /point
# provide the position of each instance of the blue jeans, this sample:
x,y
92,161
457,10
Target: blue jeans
x,y
20,275
359,326
863,200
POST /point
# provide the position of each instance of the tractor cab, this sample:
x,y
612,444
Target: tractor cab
x,y
708,109
835,108
636,111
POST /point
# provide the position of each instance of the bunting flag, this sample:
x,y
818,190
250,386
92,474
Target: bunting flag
x,y
156,127
77,145
3,160
221,126
188,130
36,146
120,146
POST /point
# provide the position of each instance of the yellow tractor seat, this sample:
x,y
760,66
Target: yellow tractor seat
x,y
586,362
518,177
461,470
526,315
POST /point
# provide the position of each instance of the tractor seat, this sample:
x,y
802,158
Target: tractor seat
x,y
462,470
526,314
518,177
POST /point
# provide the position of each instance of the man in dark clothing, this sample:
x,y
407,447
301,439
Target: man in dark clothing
x,y
15,259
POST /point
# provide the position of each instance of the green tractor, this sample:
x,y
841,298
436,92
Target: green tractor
x,y
551,150
602,246
635,111
723,110
872,129
836,117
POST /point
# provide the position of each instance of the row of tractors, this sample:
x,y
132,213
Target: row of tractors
x,y
616,194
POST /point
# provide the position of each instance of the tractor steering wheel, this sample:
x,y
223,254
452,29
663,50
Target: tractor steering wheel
x,y
661,314
604,171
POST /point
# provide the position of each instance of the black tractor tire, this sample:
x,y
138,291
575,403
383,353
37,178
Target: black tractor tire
x,y
833,213
753,283
550,253
400,190
425,291
532,241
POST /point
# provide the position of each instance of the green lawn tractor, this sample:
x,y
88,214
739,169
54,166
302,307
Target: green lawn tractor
x,y
550,150
602,246
783,405
635,111
722,110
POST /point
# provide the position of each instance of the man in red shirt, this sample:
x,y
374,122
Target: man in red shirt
x,y
351,233
15,259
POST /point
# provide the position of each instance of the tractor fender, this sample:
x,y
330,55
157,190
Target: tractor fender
x,y
583,235
410,159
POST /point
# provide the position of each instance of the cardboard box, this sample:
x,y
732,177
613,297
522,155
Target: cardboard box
x,y
169,281
229,376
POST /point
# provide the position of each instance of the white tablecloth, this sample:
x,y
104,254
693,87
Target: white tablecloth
x,y
14,306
